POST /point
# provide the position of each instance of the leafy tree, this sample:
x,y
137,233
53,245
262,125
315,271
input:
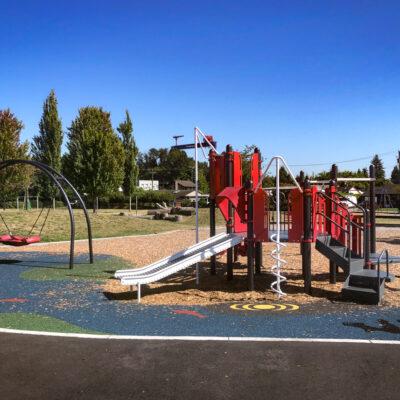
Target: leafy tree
x,y
246,160
131,170
95,158
395,176
379,169
12,179
46,146
150,163
177,165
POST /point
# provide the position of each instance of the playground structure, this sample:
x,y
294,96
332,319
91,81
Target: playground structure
x,y
316,213
66,190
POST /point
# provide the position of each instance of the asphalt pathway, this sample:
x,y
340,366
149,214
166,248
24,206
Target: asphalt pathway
x,y
40,367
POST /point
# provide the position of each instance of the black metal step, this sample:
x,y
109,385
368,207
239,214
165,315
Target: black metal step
x,y
337,253
371,275
361,294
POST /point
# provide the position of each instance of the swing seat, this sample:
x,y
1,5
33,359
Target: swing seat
x,y
17,240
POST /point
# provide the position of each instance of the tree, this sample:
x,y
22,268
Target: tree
x,y
46,146
95,158
246,161
177,165
395,176
379,169
12,179
131,170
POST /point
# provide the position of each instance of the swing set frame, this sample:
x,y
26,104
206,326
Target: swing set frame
x,y
62,185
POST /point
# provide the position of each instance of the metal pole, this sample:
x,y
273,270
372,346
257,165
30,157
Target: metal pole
x,y
372,209
130,203
332,265
258,256
37,202
258,245
250,236
213,266
307,236
229,225
196,182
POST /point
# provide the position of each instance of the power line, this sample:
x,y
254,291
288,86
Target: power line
x,y
342,162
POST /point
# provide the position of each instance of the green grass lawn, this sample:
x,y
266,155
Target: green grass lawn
x,y
105,223
36,322
100,270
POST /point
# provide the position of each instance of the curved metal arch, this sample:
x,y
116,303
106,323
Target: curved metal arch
x,y
50,172
82,204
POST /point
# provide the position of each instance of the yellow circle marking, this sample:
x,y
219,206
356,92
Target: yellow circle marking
x,y
265,307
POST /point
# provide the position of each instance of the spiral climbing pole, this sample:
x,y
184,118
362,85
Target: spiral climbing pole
x,y
276,253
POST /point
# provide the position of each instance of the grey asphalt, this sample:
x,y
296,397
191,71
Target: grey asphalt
x,y
40,367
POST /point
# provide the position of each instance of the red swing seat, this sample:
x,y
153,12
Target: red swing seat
x,y
18,240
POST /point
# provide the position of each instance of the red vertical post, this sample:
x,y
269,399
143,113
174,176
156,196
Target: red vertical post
x,y
229,225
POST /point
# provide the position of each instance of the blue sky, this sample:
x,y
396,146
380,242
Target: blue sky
x,y
314,81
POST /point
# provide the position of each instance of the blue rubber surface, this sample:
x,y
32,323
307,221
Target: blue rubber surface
x,y
83,303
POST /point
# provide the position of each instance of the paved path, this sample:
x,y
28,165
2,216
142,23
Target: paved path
x,y
39,367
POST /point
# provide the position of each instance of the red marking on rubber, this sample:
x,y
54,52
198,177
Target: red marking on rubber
x,y
189,312
13,300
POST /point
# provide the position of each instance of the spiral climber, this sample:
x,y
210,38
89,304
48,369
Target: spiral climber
x,y
276,268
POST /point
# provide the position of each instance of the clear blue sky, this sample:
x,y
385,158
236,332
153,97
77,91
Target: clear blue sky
x,y
315,81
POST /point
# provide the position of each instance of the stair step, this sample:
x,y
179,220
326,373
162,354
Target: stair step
x,y
360,289
361,294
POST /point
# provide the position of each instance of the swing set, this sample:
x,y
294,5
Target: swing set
x,y
23,240
63,186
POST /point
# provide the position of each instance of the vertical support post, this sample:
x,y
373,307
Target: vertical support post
x,y
196,181
258,244
138,293
229,224
213,266
37,202
18,203
250,235
136,200
372,209
130,203
301,182
54,203
258,257
307,236
332,190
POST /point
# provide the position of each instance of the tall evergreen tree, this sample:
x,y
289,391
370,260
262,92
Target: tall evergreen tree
x,y
95,158
46,146
12,179
131,169
379,169
395,177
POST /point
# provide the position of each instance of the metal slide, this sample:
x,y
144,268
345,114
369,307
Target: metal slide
x,y
178,261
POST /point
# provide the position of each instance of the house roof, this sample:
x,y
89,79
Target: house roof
x,y
187,193
185,183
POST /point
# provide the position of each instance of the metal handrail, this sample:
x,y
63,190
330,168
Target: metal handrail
x,y
379,269
348,219
331,220
363,210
